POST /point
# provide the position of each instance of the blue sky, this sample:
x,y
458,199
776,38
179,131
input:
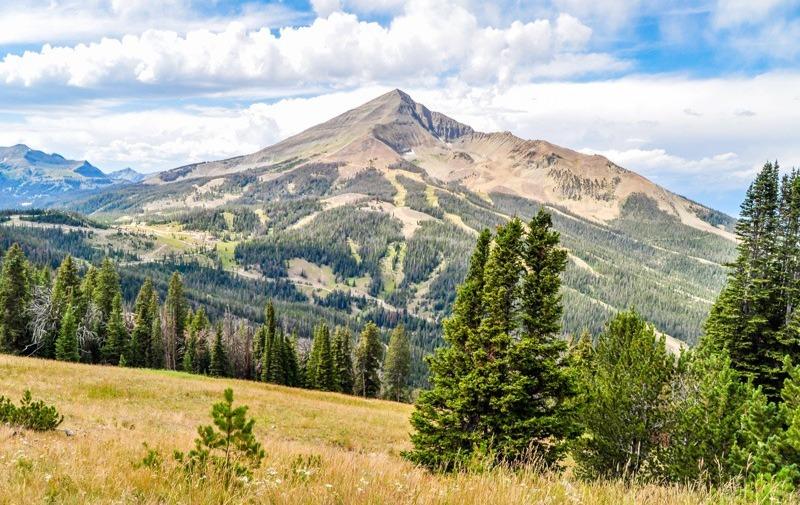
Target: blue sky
x,y
695,95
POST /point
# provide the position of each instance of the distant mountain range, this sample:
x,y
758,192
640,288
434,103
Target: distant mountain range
x,y
31,177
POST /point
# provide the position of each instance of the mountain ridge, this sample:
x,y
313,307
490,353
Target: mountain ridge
x,y
32,177
374,213
393,128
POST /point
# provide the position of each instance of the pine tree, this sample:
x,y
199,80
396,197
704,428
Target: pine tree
x,y
203,355
66,286
67,348
106,288
15,294
343,360
539,388
747,317
175,308
156,351
397,366
188,361
266,337
140,345
369,354
195,357
277,365
625,412
320,371
117,339
293,377
88,283
219,359
441,438
482,387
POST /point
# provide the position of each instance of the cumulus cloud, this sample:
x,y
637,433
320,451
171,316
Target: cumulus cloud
x,y
337,50
324,8
63,21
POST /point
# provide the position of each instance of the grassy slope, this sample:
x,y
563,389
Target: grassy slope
x,y
112,411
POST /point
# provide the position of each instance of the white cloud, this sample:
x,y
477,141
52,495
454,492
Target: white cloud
x,y
31,21
339,50
609,13
730,13
146,140
324,8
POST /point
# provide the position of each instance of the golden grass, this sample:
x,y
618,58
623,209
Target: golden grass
x,y
113,411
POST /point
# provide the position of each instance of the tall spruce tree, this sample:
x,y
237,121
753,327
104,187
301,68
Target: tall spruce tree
x,y
67,348
155,355
397,366
117,338
369,354
441,438
293,377
320,367
219,359
15,295
502,389
747,318
540,386
343,360
277,364
140,345
66,286
175,308
266,337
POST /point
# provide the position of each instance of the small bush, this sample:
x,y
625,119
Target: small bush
x,y
31,415
229,451
151,460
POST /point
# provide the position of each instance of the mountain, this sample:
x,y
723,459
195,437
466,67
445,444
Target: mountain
x,y
375,213
30,177
126,175
393,129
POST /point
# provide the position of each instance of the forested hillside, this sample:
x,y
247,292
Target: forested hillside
x,y
372,215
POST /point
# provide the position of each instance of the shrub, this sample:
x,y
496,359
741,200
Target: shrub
x,y
229,451
32,415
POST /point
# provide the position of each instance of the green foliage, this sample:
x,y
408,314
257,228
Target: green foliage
x,y
140,341
368,357
343,360
67,348
397,366
705,407
152,459
117,336
66,287
31,415
754,317
218,366
175,308
320,368
501,387
228,449
624,415
15,294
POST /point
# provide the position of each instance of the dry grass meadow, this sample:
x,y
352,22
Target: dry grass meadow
x,y
321,448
